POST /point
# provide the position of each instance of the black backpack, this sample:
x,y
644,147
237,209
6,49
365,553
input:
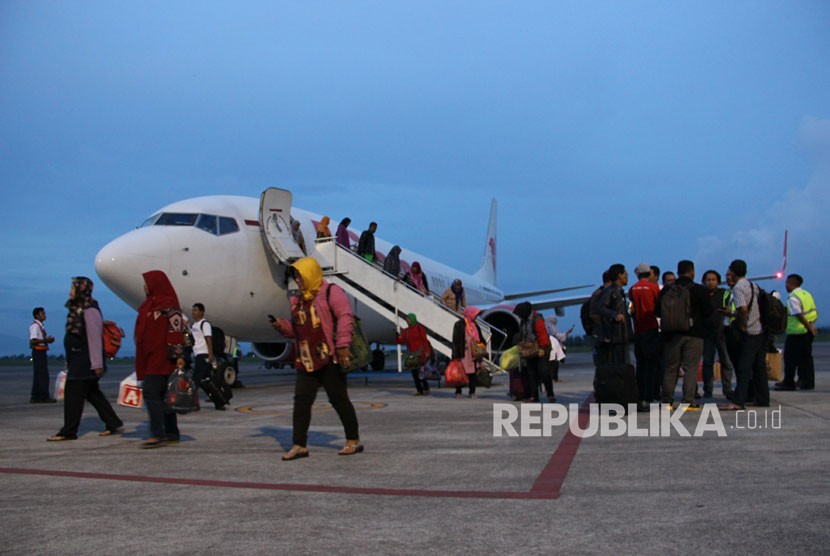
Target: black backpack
x,y
773,313
676,308
217,339
585,317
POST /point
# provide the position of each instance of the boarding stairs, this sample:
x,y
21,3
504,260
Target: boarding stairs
x,y
364,281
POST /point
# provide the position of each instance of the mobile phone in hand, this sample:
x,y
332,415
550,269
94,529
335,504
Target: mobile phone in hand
x,y
271,318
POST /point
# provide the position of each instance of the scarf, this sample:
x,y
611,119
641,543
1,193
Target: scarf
x,y
323,227
458,292
162,296
77,304
470,315
417,276
311,274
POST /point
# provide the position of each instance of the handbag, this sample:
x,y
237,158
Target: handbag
x,y
529,348
360,354
181,395
455,376
478,350
484,378
413,360
60,385
510,358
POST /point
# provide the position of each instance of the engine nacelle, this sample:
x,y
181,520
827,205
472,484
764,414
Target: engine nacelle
x,y
502,318
273,352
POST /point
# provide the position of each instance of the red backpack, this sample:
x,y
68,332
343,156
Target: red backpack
x,y
112,335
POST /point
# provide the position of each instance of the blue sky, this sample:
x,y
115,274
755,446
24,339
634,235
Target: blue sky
x,y
607,131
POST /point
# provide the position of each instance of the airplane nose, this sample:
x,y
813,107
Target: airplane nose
x,y
121,262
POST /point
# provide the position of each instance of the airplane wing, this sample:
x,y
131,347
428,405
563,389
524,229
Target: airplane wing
x,y
543,292
559,303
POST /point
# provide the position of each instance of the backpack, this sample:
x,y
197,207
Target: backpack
x,y
111,335
773,313
676,308
217,338
585,317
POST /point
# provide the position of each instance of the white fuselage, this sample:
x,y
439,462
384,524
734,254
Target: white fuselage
x,y
234,275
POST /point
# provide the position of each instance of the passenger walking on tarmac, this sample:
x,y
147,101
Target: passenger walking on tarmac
x,y
532,329
418,348
751,364
465,334
323,228
159,350
39,341
557,348
801,329
455,298
318,312
715,339
392,262
615,330
416,278
205,359
683,308
366,243
343,233
84,348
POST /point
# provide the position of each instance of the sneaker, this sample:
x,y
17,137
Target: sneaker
x,y
783,387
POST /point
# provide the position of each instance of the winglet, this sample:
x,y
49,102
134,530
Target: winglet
x,y
487,272
780,273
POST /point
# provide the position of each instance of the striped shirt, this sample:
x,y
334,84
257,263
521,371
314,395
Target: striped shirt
x,y
745,294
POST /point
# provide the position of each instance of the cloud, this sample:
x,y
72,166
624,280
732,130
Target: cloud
x,y
801,210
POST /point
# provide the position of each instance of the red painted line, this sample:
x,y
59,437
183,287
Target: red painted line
x,y
548,484
252,223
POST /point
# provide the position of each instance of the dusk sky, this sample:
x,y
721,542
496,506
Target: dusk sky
x,y
607,131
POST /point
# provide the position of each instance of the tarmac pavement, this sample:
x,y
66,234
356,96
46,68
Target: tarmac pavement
x,y
433,479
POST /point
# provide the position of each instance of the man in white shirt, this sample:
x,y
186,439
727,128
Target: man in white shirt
x,y
751,364
39,342
202,346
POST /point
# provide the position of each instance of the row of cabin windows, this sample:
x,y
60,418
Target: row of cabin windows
x,y
216,225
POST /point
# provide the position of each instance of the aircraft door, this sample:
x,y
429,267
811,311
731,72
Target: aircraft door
x,y
275,223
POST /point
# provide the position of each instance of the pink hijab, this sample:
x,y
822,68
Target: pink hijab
x,y
470,314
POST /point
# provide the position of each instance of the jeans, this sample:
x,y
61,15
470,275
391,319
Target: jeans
x,y
647,354
715,341
163,423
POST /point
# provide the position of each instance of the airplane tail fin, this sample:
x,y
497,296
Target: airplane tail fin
x,y
487,272
781,272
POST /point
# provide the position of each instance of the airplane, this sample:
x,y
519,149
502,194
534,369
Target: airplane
x,y
215,251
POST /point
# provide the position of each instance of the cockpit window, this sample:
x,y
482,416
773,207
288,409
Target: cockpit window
x,y
227,225
207,222
149,222
212,224
176,219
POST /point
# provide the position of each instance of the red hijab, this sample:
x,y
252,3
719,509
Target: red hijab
x,y
162,296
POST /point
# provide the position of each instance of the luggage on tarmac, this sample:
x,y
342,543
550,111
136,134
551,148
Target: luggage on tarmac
x,y
615,383
216,388
519,385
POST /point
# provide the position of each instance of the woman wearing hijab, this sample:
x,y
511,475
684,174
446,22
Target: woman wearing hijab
x,y
84,348
464,334
159,350
343,233
323,228
417,343
532,328
321,325
416,278
392,262
454,297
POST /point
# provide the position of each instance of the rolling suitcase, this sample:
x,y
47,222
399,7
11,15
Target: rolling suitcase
x,y
519,387
615,383
217,389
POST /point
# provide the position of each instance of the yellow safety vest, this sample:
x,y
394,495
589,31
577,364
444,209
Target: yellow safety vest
x,y
808,308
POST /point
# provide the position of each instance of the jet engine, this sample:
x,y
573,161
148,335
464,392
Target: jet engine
x,y
273,352
501,318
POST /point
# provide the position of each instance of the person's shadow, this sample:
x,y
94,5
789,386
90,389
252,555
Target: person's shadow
x,y
283,436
